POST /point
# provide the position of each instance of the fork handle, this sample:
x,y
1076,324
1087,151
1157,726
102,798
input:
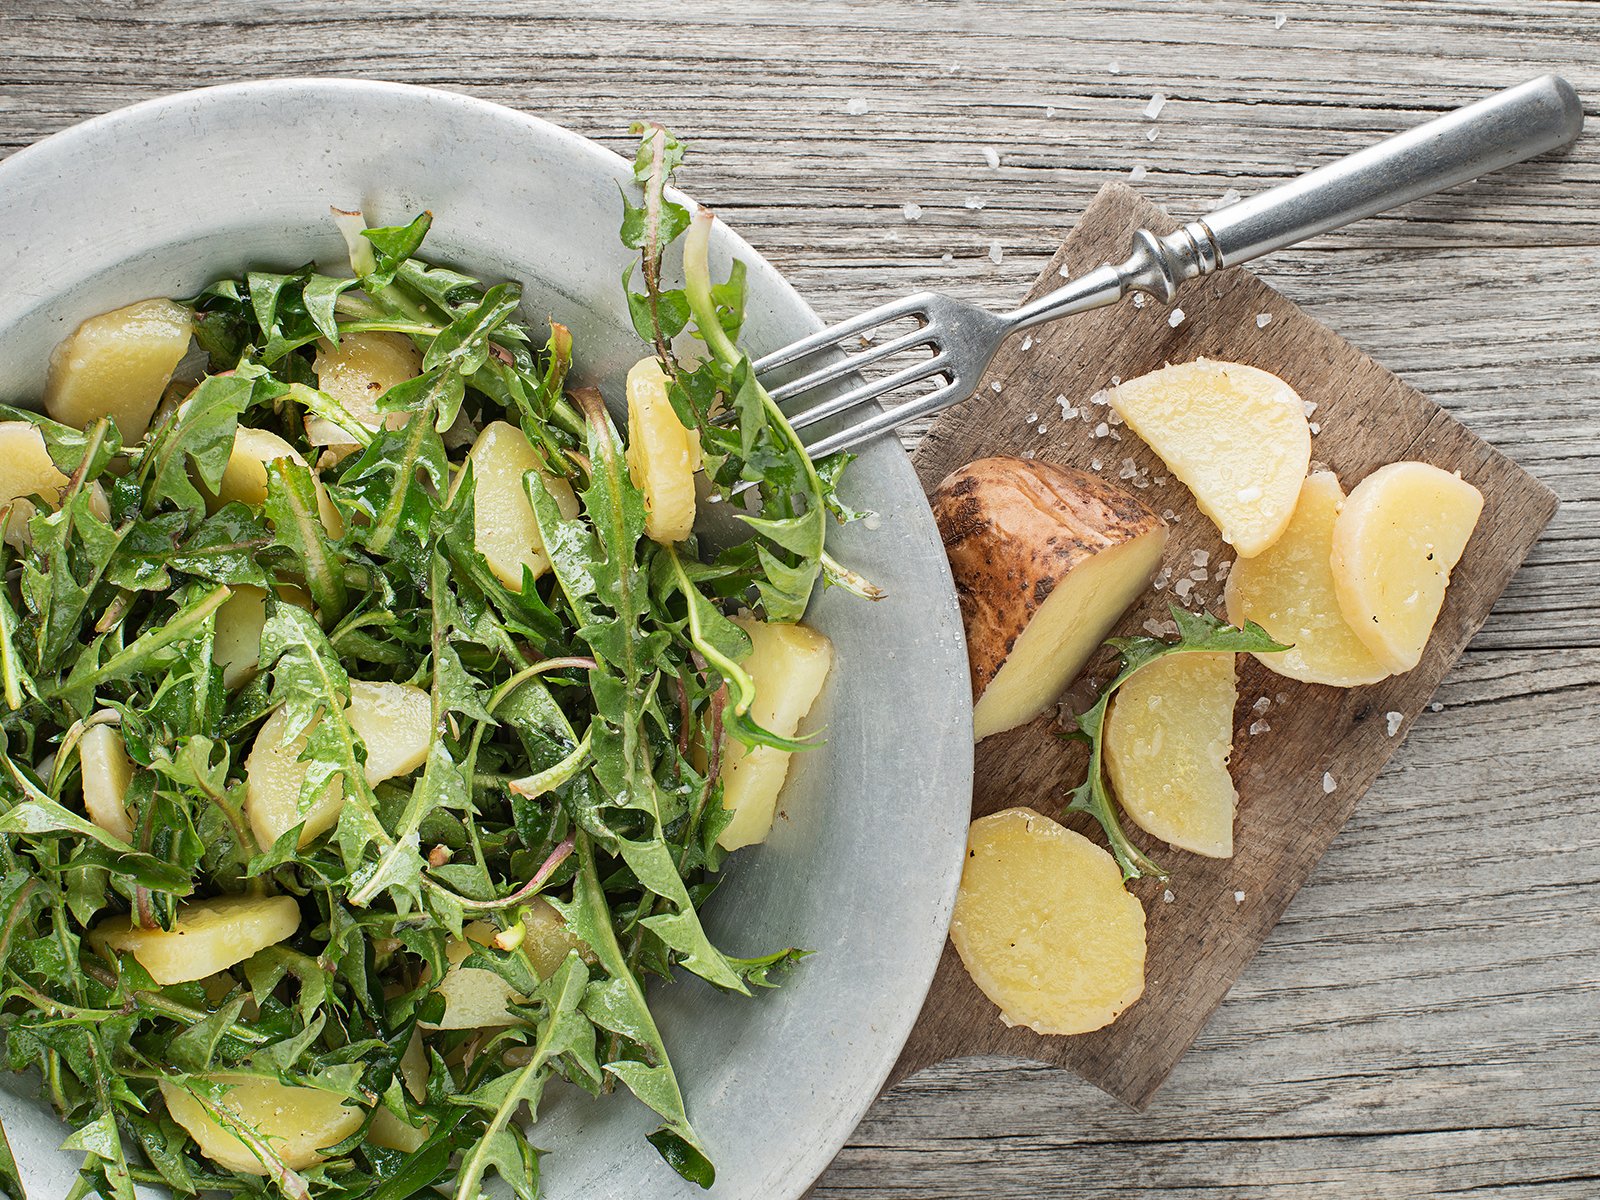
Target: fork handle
x,y
1507,127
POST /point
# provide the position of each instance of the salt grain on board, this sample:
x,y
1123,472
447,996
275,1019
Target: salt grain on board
x,y
995,253
1263,320
975,202
1279,21
856,107
1032,418
1150,134
1101,430
996,386
1436,706
1316,427
1114,67
1261,726
1182,588
1094,464
1138,299
1327,782
1175,317
991,156
912,211
1200,558
1157,103
1139,172
1167,897
1261,705
1027,342
1392,722
947,256
1238,897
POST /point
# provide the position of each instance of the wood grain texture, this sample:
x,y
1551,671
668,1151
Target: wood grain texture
x,y
1421,1022
1207,922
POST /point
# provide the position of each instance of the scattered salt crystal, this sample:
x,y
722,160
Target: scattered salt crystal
x,y
1138,299
1222,570
1228,197
1027,342
947,256
1101,430
1114,67
1238,897
1182,588
1100,397
1282,698
1094,464
1259,727
1327,782
1316,427
1436,707
1309,405
991,156
995,253
996,386
1175,317
1114,417
1263,320
1167,897
1249,494
1199,575
1161,481
1049,112
1279,21
1200,557
1261,705
1157,103
912,211
1168,515
1163,577
1032,418
1392,720
1152,627
1139,172
1115,380
856,107
1128,470
975,202
1150,134
1043,428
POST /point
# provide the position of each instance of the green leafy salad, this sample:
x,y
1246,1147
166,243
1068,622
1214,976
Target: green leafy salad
x,y
366,705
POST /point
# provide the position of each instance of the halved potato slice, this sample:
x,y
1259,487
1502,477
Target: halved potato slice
x,y
1399,535
1045,927
1168,737
236,645
476,998
1236,436
356,372
106,771
245,478
208,936
788,664
395,724
26,469
117,365
503,527
1289,591
297,1122
662,455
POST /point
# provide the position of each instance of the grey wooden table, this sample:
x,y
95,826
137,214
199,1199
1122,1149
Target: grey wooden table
x,y
1426,1020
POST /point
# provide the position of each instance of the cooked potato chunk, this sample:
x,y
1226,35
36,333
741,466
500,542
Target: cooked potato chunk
x,y
503,527
26,469
1399,535
236,646
356,372
1045,927
395,724
1168,737
208,936
788,664
1236,436
1045,559
1288,590
106,772
245,478
117,365
662,455
296,1122
475,997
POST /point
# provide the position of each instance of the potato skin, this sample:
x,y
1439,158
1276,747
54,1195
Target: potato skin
x,y
1013,528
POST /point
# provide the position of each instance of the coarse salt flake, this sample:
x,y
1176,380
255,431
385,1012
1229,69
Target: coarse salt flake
x,y
1182,588
1101,430
995,252
947,256
1316,427
1328,784
1033,418
1157,103
1138,299
1150,134
1200,558
1175,317
856,107
1258,727
996,386
1167,897
1027,342
1114,67
1263,320
912,211
975,202
1436,706
1310,406
1279,21
1094,464
991,156
1139,172
1199,575
1238,897
1261,705
1392,722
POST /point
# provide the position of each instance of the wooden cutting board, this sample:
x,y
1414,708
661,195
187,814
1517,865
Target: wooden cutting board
x,y
1204,926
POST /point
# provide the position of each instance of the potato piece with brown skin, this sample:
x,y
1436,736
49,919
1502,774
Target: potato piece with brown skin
x,y
1046,559
295,1122
1044,926
117,365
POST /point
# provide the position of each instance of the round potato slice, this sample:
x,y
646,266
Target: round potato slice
x,y
117,365
662,455
245,478
1288,590
297,1122
395,724
1168,736
1398,537
1045,927
208,936
106,772
503,527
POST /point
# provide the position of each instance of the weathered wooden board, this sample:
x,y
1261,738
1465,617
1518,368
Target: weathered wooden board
x,y
1303,754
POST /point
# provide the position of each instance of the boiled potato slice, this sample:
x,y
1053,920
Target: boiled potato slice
x,y
117,365
662,455
245,478
503,528
548,939
1399,535
26,469
106,771
1046,559
788,664
390,1131
208,936
476,998
1288,590
356,372
1236,436
236,645
1045,927
395,724
1168,736
296,1122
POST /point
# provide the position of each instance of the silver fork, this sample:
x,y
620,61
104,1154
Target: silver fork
x,y
957,340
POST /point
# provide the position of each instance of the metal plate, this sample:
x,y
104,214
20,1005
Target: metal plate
x,y
160,198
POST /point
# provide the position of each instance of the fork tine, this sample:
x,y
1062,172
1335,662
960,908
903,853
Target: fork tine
x,y
910,306
853,362
935,401
937,365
